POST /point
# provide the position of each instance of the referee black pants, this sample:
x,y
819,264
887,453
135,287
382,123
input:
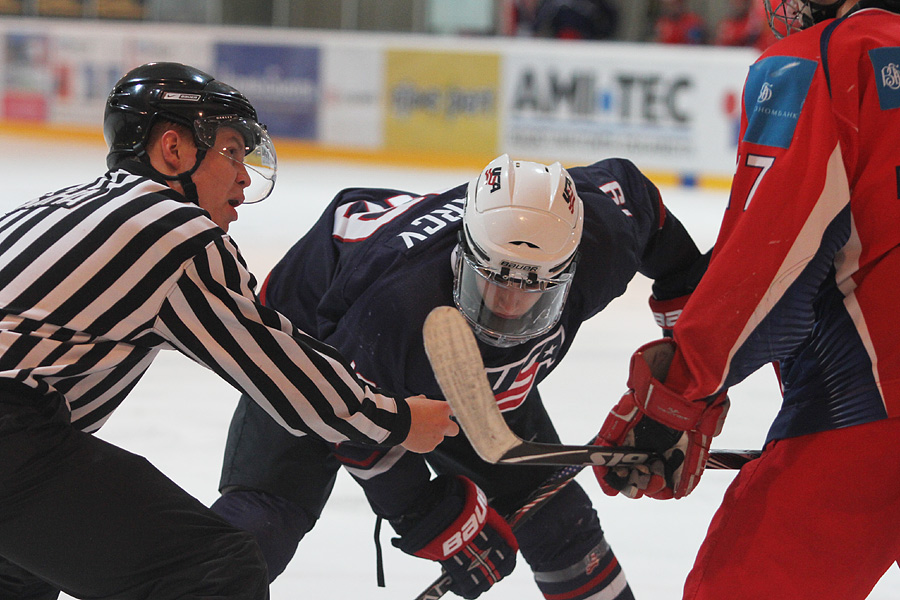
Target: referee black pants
x,y
80,515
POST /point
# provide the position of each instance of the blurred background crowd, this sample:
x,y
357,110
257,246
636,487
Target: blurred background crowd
x,y
698,22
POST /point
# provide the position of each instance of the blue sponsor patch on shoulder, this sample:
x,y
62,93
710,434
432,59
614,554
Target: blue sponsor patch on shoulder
x,y
886,62
773,98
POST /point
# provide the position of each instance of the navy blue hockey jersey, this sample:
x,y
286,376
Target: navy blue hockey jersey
x,y
378,261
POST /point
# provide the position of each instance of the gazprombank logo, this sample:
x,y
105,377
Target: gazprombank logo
x,y
774,94
890,76
886,65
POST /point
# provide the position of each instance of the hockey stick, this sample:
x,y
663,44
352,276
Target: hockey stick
x,y
537,499
454,356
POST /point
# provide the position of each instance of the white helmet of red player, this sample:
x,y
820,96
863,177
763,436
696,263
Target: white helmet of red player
x,y
517,255
789,16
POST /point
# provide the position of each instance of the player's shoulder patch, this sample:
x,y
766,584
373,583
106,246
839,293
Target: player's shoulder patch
x,y
774,94
886,63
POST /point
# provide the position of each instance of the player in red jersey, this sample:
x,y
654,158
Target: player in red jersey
x,y
805,274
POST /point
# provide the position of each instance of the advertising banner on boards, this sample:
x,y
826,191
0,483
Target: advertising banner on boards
x,y
623,101
351,110
444,102
282,82
673,110
63,75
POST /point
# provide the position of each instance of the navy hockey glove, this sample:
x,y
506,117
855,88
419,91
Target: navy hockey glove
x,y
666,312
671,291
473,543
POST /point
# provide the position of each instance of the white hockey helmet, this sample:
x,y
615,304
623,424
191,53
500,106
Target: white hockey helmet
x,y
515,262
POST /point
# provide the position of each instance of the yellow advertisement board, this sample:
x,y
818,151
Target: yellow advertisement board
x,y
442,102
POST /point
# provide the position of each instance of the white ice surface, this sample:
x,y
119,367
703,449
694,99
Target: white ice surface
x,y
178,415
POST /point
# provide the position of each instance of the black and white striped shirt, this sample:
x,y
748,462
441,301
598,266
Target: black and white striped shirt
x,y
95,279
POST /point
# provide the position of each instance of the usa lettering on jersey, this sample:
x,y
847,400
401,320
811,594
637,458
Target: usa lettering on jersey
x,y
512,383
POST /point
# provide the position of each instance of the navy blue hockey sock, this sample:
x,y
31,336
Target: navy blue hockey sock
x,y
597,576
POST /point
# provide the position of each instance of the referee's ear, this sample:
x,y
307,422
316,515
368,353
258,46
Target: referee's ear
x,y
172,152
176,152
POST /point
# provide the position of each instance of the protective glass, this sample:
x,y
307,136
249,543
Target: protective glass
x,y
507,311
257,156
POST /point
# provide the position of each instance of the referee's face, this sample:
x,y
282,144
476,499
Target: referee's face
x,y
222,177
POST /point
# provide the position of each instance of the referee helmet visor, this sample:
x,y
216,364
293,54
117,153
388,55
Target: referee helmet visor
x,y
257,156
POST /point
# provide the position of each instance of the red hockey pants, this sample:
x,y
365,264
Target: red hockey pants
x,y
817,517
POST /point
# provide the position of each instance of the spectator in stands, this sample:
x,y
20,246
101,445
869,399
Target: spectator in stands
x,y
566,19
745,25
677,24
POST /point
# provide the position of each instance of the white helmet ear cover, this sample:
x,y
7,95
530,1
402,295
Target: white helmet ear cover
x,y
524,218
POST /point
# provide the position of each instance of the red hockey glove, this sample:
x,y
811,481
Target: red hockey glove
x,y
652,417
666,312
470,539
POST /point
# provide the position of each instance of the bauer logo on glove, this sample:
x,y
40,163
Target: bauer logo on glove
x,y
455,540
454,525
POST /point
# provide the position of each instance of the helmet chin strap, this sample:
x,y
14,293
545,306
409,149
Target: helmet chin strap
x,y
188,187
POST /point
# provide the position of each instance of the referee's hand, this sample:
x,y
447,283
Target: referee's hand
x,y
430,423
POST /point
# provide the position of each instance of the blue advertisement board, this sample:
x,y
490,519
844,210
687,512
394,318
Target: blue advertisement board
x,y
282,82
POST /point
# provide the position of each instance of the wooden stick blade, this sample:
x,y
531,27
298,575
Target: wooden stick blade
x,y
458,367
454,356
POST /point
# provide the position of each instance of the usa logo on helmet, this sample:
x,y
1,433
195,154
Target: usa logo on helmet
x,y
492,178
569,195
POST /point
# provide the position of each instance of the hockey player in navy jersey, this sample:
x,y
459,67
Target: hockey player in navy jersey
x,y
806,275
527,252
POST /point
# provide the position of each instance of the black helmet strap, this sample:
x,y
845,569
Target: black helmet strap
x,y
188,186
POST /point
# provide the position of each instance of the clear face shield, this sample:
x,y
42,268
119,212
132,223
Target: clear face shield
x,y
257,154
506,311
